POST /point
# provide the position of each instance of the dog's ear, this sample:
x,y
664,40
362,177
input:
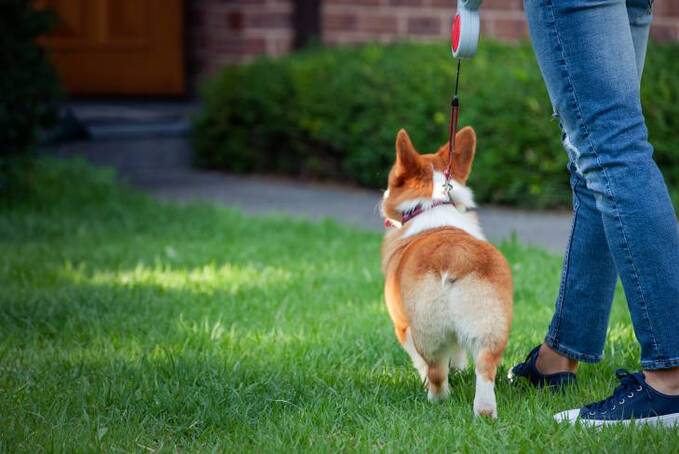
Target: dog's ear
x,y
465,148
406,156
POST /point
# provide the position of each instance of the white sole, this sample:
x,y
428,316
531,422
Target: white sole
x,y
571,416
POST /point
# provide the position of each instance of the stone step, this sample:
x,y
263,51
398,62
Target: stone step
x,y
134,137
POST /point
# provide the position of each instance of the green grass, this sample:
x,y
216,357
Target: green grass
x,y
128,325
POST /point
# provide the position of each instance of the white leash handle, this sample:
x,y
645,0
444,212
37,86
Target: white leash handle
x,y
464,33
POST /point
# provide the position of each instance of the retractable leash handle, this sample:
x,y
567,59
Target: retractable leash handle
x,y
464,33
464,39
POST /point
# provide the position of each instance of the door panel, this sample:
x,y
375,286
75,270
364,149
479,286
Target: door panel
x,y
127,21
130,47
71,19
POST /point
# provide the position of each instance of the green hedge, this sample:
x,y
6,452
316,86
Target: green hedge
x,y
334,113
29,89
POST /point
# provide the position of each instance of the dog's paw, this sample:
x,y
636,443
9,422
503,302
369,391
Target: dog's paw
x,y
440,396
486,409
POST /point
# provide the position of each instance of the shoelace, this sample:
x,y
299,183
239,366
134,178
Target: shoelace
x,y
630,385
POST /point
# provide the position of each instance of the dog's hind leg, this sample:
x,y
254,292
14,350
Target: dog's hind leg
x,y
486,362
434,375
437,375
419,363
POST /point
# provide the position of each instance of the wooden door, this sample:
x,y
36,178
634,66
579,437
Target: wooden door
x,y
128,47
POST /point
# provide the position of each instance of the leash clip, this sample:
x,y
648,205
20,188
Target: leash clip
x,y
448,188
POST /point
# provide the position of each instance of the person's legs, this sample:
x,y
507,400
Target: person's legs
x,y
587,291
586,52
589,52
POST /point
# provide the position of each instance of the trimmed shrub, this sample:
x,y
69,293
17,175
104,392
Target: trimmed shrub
x,y
334,113
28,87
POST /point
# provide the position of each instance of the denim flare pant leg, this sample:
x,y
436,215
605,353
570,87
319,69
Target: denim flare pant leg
x,y
591,55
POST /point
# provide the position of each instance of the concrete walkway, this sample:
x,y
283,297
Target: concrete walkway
x,y
356,207
155,156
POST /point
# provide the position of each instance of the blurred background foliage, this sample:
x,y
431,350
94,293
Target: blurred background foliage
x,y
334,113
29,89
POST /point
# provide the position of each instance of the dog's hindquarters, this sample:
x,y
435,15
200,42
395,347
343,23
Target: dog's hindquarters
x,y
449,311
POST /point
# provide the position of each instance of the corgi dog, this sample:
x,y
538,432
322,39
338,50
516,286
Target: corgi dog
x,y
447,289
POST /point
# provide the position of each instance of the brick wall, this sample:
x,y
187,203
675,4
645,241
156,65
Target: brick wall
x,y
223,32
355,21
233,31
665,20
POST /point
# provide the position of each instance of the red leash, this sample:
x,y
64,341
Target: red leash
x,y
452,128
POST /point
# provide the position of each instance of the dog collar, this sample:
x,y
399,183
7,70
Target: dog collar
x,y
419,209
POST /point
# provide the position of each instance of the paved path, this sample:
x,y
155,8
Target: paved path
x,y
351,206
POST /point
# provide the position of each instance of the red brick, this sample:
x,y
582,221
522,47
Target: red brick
x,y
339,21
509,5
666,8
252,46
665,32
487,5
378,24
238,2
354,2
343,39
405,2
511,29
199,42
268,20
234,20
241,46
331,39
196,18
486,28
444,4
424,25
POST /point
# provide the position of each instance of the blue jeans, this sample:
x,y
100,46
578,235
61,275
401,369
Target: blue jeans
x,y
591,54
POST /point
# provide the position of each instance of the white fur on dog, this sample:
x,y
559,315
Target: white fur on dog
x,y
461,193
444,215
484,399
445,316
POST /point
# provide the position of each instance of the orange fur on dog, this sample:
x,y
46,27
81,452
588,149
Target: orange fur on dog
x,y
448,291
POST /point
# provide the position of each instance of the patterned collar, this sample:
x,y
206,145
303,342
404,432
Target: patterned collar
x,y
419,209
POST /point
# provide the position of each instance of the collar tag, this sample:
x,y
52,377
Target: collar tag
x,y
448,190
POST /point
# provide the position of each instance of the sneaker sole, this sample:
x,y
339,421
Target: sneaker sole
x,y
571,416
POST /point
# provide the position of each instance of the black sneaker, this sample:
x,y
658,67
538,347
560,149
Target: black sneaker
x,y
632,400
528,371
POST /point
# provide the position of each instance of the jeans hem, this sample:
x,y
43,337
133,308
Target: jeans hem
x,y
658,364
572,354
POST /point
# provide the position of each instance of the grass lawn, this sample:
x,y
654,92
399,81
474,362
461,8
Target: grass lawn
x,y
126,324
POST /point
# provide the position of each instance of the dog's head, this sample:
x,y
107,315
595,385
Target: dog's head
x,y
418,179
